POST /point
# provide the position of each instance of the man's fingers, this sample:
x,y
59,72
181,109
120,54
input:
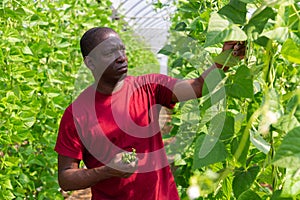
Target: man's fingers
x,y
239,45
231,42
239,51
235,45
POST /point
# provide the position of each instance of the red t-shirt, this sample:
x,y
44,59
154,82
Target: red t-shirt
x,y
95,127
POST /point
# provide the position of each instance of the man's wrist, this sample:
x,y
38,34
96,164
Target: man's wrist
x,y
225,68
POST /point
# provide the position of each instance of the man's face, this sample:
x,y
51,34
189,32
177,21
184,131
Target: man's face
x,y
109,58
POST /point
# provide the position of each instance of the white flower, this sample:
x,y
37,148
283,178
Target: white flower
x,y
272,117
193,192
269,118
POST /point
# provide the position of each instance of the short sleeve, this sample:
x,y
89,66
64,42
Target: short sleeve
x,y
164,89
68,142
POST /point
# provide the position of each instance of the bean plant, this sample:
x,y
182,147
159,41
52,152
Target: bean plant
x,y
241,139
42,71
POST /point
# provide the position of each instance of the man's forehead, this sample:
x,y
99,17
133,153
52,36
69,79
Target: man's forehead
x,y
110,42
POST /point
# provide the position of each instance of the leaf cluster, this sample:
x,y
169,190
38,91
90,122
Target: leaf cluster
x,y
128,157
245,127
42,72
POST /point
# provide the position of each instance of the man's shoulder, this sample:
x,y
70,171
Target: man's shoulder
x,y
82,100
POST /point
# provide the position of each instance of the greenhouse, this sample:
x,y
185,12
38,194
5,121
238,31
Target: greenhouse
x,y
154,100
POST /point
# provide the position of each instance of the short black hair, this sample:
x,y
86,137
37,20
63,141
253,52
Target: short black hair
x,y
92,38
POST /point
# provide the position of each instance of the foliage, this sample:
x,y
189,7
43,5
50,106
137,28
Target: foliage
x,y
241,139
41,71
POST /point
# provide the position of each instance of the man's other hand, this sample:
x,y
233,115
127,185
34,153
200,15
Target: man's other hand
x,y
117,168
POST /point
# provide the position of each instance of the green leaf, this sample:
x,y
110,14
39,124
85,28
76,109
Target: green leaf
x,y
291,187
247,1
227,187
287,123
236,11
266,175
1,58
291,51
258,22
259,142
288,153
196,24
243,180
242,85
213,89
176,63
278,2
188,56
28,118
166,50
277,196
294,106
212,80
24,179
190,112
181,26
178,160
27,50
249,195
7,194
279,34
63,45
221,29
13,39
32,160
238,122
222,126
208,150
7,184
226,58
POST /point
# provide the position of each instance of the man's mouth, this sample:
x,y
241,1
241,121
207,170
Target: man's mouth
x,y
122,68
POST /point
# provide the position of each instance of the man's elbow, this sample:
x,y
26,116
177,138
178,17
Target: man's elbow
x,y
64,184
64,187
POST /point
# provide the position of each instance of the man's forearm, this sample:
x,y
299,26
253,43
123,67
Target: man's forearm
x,y
76,179
191,88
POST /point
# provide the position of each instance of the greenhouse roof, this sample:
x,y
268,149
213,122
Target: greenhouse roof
x,y
151,24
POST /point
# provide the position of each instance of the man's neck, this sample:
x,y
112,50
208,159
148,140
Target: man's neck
x,y
108,88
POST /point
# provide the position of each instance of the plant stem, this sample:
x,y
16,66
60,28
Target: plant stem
x,y
227,60
296,11
246,134
241,146
268,63
274,168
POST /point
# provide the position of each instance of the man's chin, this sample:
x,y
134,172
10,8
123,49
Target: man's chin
x,y
123,76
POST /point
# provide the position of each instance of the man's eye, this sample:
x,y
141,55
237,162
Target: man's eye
x,y
108,53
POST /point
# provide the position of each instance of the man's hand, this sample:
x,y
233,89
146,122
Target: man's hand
x,y
182,89
239,48
118,168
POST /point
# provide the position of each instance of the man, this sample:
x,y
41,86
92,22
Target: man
x,y
114,115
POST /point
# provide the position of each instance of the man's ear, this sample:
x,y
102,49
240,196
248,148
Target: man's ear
x,y
89,63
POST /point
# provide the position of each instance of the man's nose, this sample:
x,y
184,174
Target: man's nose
x,y
121,57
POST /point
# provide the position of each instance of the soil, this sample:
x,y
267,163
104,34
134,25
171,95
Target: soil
x,y
78,195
